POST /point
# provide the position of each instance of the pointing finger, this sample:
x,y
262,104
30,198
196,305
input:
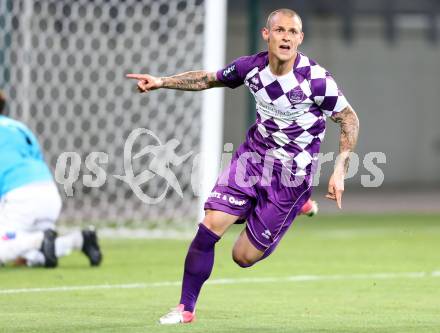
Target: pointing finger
x,y
339,198
136,76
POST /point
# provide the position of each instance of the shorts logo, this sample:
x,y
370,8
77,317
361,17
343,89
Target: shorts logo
x,y
236,202
229,70
215,194
228,198
266,234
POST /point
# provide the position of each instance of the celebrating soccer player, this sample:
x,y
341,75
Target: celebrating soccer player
x,y
293,96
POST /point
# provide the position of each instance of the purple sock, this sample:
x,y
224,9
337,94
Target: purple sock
x,y
198,266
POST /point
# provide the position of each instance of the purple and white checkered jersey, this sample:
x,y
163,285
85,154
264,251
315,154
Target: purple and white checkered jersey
x,y
291,109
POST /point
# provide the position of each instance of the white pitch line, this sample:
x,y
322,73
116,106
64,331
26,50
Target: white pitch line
x,y
293,278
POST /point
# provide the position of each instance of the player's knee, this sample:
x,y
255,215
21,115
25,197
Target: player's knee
x,y
242,260
212,226
217,222
209,222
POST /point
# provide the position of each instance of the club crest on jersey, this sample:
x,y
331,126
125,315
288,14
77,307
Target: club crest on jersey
x,y
254,83
296,95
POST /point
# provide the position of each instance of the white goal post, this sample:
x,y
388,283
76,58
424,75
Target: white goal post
x,y
212,106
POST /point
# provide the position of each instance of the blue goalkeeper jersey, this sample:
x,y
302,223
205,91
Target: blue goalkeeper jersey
x,y
21,160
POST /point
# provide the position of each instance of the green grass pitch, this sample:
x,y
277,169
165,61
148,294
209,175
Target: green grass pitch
x,y
341,255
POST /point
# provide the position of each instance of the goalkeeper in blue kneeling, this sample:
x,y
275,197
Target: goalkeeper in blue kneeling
x,y
30,203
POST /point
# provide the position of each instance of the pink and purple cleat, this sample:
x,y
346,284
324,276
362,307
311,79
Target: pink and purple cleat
x,y
178,316
310,208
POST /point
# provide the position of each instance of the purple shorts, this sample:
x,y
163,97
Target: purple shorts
x,y
259,195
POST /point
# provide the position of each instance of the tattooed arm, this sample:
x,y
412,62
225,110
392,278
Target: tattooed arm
x,y
349,123
196,80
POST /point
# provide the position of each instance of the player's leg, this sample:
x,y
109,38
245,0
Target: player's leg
x,y
30,209
14,245
36,207
227,203
250,248
85,241
269,221
244,253
17,214
198,264
67,243
43,213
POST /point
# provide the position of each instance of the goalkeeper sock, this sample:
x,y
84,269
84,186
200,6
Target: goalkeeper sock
x,y
64,245
198,266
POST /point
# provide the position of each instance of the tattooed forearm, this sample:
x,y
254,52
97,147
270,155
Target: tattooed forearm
x,y
349,123
196,80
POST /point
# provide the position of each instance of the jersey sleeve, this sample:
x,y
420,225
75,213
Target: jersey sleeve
x,y
326,93
233,75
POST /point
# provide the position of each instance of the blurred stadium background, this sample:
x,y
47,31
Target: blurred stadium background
x,y
62,64
372,267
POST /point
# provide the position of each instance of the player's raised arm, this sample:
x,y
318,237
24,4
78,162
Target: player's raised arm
x,y
349,123
194,80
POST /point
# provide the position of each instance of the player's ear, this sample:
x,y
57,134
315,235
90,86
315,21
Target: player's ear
x,y
265,34
301,38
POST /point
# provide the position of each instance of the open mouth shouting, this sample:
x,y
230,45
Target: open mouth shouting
x,y
285,48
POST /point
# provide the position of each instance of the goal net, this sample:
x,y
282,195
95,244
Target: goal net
x,y
116,154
